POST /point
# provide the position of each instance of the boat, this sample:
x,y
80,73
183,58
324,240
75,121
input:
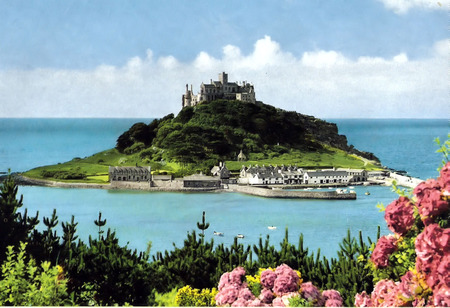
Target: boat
x,y
240,236
271,227
218,233
367,193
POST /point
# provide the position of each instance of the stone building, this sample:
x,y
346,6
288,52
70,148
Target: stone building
x,y
221,89
201,181
130,174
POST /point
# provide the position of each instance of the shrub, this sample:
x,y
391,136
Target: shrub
x,y
412,267
25,284
190,297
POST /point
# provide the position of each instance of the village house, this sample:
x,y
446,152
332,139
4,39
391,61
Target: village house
x,y
326,177
221,89
130,174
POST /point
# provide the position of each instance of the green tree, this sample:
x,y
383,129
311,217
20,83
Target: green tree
x,y
15,227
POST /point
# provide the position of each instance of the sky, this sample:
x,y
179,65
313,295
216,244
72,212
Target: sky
x,y
133,59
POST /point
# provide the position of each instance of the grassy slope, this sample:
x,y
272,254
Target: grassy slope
x,y
96,166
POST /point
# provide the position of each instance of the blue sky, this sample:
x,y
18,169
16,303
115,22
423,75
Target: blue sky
x,y
327,58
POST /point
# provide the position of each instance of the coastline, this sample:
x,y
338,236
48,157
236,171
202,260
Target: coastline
x,y
266,191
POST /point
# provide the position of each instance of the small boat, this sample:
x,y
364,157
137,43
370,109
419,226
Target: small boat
x,y
367,193
351,187
240,236
218,233
271,227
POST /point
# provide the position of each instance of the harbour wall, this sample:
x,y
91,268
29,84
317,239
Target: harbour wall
x,y
292,194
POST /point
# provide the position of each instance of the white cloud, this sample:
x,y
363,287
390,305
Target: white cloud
x,y
403,6
322,83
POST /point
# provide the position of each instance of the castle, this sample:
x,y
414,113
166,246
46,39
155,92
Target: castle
x,y
221,89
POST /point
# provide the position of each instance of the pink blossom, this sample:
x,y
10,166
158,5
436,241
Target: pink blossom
x,y
444,178
285,283
240,302
311,293
399,215
441,296
266,296
237,275
407,287
246,294
386,245
384,294
333,303
268,279
332,294
429,201
431,245
363,300
224,280
423,189
255,303
278,302
228,295
431,206
439,271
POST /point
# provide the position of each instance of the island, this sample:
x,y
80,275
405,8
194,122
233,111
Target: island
x,y
223,139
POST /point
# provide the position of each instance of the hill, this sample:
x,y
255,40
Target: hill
x,y
202,136
220,129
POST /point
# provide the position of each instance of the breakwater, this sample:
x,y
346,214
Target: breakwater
x,y
292,194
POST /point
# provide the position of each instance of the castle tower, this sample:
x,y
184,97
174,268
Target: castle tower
x,y
223,78
187,98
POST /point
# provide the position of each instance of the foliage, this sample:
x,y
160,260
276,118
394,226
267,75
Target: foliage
x,y
189,297
25,284
15,226
218,130
166,299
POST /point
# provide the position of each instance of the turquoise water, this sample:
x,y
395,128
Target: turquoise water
x,y
164,218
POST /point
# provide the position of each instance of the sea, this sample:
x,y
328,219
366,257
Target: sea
x,y
162,219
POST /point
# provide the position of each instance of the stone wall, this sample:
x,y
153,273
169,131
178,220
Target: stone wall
x,y
293,194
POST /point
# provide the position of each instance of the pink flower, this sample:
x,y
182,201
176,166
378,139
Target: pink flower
x,y
246,294
429,201
431,245
399,215
444,178
386,245
285,283
363,300
266,296
333,303
255,303
311,293
439,271
431,206
278,302
332,298
441,297
384,294
240,302
227,296
224,280
268,279
408,286
237,275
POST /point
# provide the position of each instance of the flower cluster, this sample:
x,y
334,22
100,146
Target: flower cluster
x,y
428,282
279,287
